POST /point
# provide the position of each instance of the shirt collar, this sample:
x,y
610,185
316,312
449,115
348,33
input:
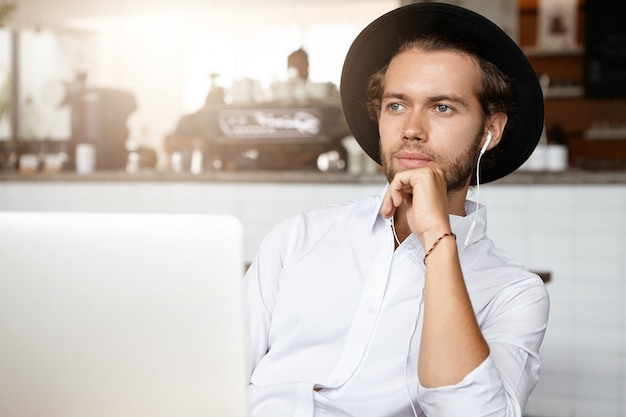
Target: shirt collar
x,y
472,227
378,202
475,213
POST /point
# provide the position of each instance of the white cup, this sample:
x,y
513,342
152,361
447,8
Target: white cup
x,y
85,158
556,158
537,160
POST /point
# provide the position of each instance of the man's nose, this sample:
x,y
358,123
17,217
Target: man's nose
x,y
413,127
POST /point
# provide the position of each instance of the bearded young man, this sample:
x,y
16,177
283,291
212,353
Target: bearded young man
x,y
399,304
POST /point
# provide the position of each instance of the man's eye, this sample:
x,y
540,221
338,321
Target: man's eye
x,y
443,108
395,106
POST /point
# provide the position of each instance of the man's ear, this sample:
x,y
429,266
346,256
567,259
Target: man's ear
x,y
495,125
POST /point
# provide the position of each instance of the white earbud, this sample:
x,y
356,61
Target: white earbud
x,y
487,141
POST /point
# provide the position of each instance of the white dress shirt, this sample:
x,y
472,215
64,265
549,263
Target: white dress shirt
x,y
334,320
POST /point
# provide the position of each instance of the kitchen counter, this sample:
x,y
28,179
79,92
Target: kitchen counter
x,y
520,177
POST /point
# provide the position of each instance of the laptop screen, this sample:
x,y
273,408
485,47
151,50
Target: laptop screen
x,y
110,314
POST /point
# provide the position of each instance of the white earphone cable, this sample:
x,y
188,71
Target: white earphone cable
x,y
419,310
473,225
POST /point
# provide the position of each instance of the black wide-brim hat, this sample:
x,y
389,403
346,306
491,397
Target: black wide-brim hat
x,y
378,42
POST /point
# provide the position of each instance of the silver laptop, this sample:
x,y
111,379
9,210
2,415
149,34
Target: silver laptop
x,y
121,315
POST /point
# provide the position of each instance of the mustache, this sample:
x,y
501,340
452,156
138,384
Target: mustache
x,y
414,147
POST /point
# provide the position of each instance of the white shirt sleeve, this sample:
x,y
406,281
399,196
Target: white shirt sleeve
x,y
499,386
260,291
480,393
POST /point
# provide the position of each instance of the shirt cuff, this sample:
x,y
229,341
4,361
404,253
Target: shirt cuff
x,y
481,394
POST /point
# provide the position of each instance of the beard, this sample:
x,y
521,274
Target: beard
x,y
457,170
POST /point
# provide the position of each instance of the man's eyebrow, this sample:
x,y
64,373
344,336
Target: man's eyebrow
x,y
392,95
449,97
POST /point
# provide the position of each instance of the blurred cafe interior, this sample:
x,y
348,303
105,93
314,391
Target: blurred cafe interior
x,y
197,86
212,106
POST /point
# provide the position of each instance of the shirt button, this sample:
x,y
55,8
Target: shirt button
x,y
410,246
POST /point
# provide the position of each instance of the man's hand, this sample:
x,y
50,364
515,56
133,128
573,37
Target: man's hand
x,y
421,193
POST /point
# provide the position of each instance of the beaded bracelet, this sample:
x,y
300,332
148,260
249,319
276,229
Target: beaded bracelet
x,y
435,244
